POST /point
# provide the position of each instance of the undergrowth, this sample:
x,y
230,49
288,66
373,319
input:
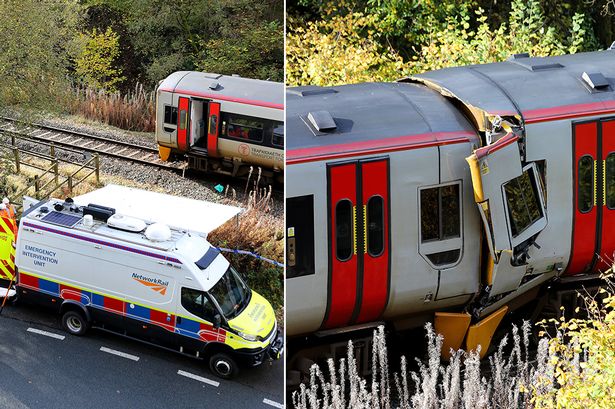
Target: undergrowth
x,y
573,369
134,111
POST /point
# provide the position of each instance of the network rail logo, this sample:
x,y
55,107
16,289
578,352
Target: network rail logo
x,y
155,284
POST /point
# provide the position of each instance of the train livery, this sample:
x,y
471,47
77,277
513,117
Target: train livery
x,y
452,196
223,124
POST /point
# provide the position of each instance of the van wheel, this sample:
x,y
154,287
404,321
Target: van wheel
x,y
74,323
223,366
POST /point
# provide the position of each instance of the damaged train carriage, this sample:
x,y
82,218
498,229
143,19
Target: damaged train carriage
x,y
453,196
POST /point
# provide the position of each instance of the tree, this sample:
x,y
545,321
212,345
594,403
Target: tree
x,y
35,51
96,64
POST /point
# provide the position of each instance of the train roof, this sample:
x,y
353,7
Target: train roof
x,y
226,87
539,88
359,117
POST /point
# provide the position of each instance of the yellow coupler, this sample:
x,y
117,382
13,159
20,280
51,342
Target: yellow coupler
x,y
164,153
455,327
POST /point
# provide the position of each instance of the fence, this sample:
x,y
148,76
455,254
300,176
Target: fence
x,y
43,188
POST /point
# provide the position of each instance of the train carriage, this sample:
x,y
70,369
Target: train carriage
x,y
453,196
223,124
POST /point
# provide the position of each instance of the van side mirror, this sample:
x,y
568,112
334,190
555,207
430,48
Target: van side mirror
x,y
217,321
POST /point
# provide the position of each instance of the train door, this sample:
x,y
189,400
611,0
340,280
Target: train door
x,y
198,111
594,196
183,129
359,256
512,207
213,128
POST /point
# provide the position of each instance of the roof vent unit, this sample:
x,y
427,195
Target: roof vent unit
x,y
212,75
322,121
98,212
120,222
158,232
536,64
518,56
595,80
214,85
88,220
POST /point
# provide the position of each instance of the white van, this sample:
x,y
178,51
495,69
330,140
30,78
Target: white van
x,y
145,280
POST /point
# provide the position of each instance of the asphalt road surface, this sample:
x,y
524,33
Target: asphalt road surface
x,y
41,366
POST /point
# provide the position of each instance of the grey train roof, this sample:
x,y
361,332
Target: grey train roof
x,y
533,84
367,112
247,89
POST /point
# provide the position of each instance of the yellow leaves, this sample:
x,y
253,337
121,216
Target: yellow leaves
x,y
96,63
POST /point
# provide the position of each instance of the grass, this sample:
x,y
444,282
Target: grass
x,y
573,369
135,111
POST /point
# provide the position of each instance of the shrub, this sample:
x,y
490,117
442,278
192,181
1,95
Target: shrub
x,y
574,369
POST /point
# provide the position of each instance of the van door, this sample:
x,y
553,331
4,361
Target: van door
x,y
195,313
511,204
359,250
593,243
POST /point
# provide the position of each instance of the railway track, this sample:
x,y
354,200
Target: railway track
x,y
80,141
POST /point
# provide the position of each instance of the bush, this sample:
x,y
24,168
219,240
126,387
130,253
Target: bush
x,y
574,369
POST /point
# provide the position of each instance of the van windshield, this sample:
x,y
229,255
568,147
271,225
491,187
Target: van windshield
x,y
231,293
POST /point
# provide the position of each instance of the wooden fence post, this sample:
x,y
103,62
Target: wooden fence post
x,y
16,154
97,166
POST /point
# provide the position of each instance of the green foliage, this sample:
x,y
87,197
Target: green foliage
x,y
242,37
353,41
37,43
335,51
96,65
583,358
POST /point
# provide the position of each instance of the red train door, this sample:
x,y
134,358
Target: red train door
x,y
183,124
212,128
607,238
359,241
594,196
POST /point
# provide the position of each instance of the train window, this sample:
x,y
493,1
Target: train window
x,y
197,303
610,181
343,230
170,115
444,257
523,202
440,213
586,184
299,236
242,127
375,226
278,135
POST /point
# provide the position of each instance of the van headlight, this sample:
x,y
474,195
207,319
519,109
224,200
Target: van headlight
x,y
247,337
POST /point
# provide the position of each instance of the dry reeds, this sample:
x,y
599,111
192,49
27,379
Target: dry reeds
x,y
135,111
258,231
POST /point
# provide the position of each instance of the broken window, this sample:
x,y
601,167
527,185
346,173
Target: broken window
x,y
523,202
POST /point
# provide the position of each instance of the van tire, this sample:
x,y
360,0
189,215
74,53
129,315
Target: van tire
x,y
223,366
74,323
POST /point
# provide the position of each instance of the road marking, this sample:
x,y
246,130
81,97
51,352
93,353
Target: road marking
x,y
272,403
45,333
118,353
198,378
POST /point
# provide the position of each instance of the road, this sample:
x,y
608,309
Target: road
x,y
41,366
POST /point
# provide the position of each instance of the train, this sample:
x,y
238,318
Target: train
x,y
454,197
223,124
